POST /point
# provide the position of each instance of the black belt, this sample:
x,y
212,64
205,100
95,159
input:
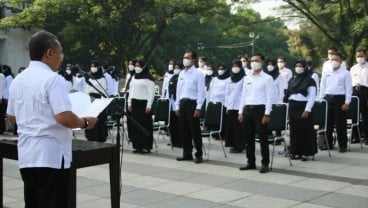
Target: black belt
x,y
333,96
253,107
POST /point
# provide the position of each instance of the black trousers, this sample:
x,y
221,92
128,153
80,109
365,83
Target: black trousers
x,y
253,124
362,93
99,131
3,107
45,187
190,129
336,118
235,131
174,130
139,139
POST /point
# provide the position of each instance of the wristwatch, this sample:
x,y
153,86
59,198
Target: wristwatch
x,y
86,122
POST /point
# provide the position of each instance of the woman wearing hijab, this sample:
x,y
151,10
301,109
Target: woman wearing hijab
x,y
210,74
174,119
4,104
141,94
96,80
301,94
128,80
235,130
114,73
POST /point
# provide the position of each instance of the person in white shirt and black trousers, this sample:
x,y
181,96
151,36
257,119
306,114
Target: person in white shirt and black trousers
x,y
336,88
254,111
190,95
359,76
141,94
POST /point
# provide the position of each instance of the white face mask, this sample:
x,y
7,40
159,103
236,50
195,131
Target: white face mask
x,y
360,60
280,65
220,72
335,64
255,65
94,69
176,71
235,70
187,62
171,67
68,71
201,64
209,72
138,70
270,68
299,70
244,64
131,67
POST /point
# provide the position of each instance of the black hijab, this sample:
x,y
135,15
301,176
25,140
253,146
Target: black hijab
x,y
238,76
208,78
300,82
174,82
145,74
99,73
7,71
226,73
275,73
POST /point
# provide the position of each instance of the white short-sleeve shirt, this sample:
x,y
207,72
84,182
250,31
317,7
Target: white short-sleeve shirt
x,y
35,97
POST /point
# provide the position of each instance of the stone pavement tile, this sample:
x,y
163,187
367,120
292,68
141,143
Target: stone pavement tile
x,y
226,206
83,182
103,203
85,198
99,190
278,178
15,204
341,201
274,190
320,184
10,199
126,189
356,171
210,180
152,159
144,181
135,168
219,195
16,193
354,190
96,172
260,201
309,205
179,188
145,198
182,202
174,174
11,183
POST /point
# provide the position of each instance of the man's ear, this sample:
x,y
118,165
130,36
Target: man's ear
x,y
49,52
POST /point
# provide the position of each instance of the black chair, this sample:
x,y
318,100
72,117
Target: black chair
x,y
162,115
319,117
212,124
354,113
278,122
154,103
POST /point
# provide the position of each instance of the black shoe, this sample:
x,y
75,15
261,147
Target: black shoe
x,y
137,151
366,141
264,169
342,150
295,157
198,160
248,167
184,158
144,151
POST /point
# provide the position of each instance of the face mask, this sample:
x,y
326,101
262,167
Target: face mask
x,y
201,64
68,71
138,70
281,65
221,72
94,69
255,65
360,60
270,68
299,70
131,67
330,56
187,62
171,67
176,71
335,64
235,70
244,64
209,72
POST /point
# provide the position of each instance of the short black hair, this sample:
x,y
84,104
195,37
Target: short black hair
x,y
361,50
39,43
203,58
333,48
260,55
339,55
194,54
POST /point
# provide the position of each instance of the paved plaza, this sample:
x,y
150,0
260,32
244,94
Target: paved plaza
x,y
158,180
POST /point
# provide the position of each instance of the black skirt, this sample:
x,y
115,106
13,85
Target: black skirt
x,y
235,133
139,139
303,139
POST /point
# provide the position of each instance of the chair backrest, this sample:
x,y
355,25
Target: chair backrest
x,y
154,103
353,111
213,116
278,117
203,109
162,111
319,113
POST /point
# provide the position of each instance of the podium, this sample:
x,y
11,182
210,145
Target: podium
x,y
85,154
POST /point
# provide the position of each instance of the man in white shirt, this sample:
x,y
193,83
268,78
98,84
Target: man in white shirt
x,y
202,64
39,103
328,64
285,72
190,95
245,62
359,76
254,111
336,88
